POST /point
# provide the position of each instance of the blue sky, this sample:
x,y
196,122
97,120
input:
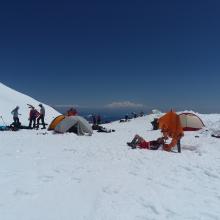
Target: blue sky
x,y
160,54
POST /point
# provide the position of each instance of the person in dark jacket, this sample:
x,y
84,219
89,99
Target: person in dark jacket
x,y
98,120
41,117
155,124
94,121
126,117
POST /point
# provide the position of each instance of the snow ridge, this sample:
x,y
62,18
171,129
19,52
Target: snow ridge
x,y
10,98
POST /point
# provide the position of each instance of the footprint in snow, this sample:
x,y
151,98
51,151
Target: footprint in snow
x,y
56,171
110,191
76,179
189,147
133,173
186,168
211,174
69,150
148,206
19,192
46,178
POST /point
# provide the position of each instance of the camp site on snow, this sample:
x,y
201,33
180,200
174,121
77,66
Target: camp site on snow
x,y
98,173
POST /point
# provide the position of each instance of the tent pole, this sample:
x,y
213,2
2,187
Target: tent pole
x,y
179,146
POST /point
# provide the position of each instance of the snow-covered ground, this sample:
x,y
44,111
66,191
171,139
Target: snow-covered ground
x,y
98,177
67,177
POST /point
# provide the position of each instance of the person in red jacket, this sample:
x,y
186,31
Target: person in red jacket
x,y
71,112
140,142
32,117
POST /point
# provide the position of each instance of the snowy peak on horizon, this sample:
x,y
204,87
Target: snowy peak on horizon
x,y
10,98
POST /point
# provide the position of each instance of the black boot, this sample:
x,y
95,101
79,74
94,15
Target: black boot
x,y
132,145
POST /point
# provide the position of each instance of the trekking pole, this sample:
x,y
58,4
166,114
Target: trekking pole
x,y
179,146
3,120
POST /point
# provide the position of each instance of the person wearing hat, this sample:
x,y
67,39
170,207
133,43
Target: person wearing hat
x,y
41,117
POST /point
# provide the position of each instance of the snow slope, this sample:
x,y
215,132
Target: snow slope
x,y
10,98
98,177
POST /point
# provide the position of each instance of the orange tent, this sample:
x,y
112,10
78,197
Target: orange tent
x,y
170,123
55,121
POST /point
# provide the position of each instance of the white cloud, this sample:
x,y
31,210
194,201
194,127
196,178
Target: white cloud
x,y
66,106
124,104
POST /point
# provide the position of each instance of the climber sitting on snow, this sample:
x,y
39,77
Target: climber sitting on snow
x,y
140,142
170,127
